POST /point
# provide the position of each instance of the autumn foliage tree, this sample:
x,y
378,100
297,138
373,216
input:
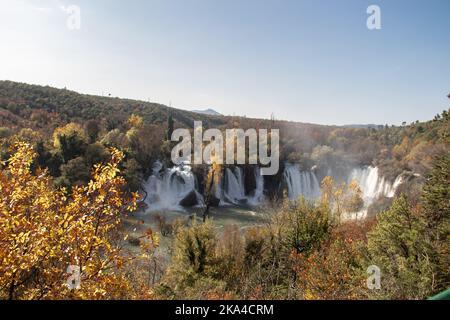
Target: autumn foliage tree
x,y
44,230
328,273
195,270
341,198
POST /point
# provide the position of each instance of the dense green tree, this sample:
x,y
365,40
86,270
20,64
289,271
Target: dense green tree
x,y
71,146
145,145
5,132
302,226
436,210
133,175
436,197
194,258
170,124
76,172
400,247
96,153
115,138
92,130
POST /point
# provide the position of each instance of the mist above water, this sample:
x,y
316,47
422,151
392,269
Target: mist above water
x,y
372,184
167,189
233,190
177,187
301,183
306,183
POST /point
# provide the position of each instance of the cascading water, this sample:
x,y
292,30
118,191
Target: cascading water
x,y
372,184
258,195
306,184
173,188
166,190
301,183
232,188
398,181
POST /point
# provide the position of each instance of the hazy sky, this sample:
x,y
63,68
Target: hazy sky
x,y
309,61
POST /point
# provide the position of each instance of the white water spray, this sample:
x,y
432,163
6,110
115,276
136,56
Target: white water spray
x,y
301,183
372,184
233,191
166,190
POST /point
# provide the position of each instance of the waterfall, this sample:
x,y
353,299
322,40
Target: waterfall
x,y
305,183
173,188
398,181
168,188
233,186
258,195
301,183
372,184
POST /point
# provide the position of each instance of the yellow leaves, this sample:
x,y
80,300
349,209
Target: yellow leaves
x,y
116,156
67,130
342,197
151,243
309,295
20,162
47,230
354,185
21,238
135,121
66,220
338,193
152,237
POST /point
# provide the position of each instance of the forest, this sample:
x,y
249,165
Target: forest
x,y
74,171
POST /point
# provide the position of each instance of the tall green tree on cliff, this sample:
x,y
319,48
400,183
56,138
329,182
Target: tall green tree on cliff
x,y
169,127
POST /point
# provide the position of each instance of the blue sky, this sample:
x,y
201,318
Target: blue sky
x,y
309,61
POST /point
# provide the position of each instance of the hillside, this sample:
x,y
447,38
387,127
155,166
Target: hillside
x,y
34,113
27,105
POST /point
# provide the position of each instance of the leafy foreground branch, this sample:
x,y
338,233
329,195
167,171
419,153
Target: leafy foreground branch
x,y
44,230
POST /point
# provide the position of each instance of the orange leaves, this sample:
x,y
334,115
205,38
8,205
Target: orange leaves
x,y
150,244
43,230
135,121
328,273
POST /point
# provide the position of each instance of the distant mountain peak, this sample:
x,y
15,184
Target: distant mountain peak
x,y
363,126
208,111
